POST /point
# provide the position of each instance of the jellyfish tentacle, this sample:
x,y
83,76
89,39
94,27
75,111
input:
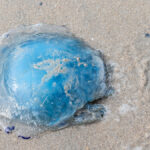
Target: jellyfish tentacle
x,y
90,113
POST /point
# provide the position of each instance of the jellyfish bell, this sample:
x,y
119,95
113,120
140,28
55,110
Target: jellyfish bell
x,y
47,75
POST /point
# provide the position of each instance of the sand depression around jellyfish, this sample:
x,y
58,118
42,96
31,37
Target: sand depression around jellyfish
x,y
48,79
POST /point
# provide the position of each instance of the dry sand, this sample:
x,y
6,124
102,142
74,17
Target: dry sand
x,y
118,28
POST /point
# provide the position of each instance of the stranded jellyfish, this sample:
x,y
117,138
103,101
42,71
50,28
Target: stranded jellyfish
x,y
48,79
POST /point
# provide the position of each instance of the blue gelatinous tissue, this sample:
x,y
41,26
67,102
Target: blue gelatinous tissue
x,y
48,78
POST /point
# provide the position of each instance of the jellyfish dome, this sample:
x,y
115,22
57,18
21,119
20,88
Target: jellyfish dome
x,y
46,76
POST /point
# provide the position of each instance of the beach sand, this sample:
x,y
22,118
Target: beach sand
x,y
117,28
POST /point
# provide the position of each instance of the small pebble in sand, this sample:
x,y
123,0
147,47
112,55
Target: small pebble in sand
x,y
147,35
41,3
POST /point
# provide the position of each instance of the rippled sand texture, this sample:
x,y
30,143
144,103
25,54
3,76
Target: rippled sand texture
x,y
121,30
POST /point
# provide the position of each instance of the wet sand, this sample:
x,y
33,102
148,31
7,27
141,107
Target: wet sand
x,y
120,29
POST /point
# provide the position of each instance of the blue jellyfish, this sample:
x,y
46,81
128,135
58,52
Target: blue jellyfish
x,y
49,78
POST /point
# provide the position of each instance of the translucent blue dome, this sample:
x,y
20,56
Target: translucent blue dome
x,y
46,77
